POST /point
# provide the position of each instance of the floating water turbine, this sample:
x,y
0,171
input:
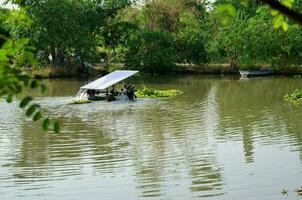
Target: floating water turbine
x,y
82,95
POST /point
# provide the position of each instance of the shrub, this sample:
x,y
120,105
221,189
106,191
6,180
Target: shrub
x,y
295,97
150,51
153,93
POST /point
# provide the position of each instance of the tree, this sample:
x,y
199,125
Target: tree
x,y
69,34
254,40
150,51
115,35
160,15
190,40
182,21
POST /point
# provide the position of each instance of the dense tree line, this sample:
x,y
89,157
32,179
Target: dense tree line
x,y
156,35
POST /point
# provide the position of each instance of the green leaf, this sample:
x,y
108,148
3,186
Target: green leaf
x,y
31,110
25,101
279,19
37,116
287,3
227,7
231,9
245,3
33,84
225,20
56,127
46,124
23,77
274,12
9,98
285,26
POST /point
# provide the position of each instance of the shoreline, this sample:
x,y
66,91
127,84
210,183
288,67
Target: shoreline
x,y
185,69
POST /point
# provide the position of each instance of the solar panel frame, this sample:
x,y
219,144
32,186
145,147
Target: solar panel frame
x,y
109,80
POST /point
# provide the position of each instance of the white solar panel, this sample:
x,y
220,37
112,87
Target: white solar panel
x,y
109,80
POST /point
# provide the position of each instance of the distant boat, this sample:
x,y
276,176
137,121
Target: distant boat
x,y
259,72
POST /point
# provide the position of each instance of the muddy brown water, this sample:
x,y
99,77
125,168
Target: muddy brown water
x,y
223,138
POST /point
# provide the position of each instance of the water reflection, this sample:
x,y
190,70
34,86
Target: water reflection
x,y
256,110
181,148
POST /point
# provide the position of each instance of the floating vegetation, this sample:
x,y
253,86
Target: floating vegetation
x,y
295,97
80,101
284,192
153,93
299,191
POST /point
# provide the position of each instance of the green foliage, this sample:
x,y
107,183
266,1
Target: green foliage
x,y
154,36
9,98
13,79
37,116
111,7
295,97
114,37
31,110
25,101
66,32
280,20
254,40
170,32
160,15
150,51
153,93
226,8
4,32
69,34
56,127
117,33
190,40
46,123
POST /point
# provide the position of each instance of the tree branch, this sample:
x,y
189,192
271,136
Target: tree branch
x,y
291,14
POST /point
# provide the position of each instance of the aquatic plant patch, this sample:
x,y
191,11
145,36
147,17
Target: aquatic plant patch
x,y
80,101
295,97
153,93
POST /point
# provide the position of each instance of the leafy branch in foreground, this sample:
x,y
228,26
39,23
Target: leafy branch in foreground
x,y
285,7
282,11
15,53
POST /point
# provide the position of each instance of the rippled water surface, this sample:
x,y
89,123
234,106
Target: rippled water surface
x,y
223,138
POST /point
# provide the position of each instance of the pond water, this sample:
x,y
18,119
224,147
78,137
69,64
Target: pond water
x,y
223,138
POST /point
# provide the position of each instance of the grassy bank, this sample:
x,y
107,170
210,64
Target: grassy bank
x,y
227,69
101,69
51,72
293,70
65,72
179,68
205,69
